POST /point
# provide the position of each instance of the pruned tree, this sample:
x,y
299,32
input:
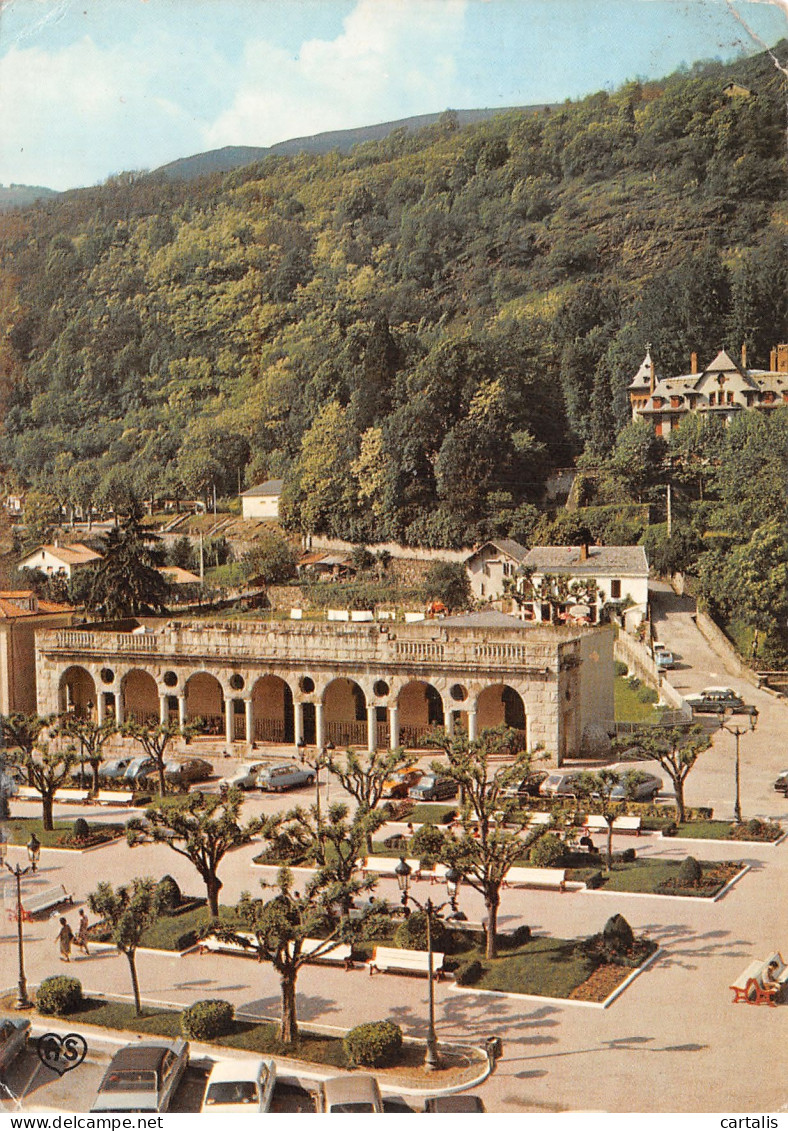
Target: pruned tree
x,y
363,774
92,737
281,925
47,770
128,911
676,749
201,827
597,789
492,821
156,741
21,732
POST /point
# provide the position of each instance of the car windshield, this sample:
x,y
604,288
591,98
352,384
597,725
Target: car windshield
x,y
130,1080
232,1092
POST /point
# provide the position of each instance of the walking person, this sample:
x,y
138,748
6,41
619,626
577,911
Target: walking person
x,y
81,937
65,937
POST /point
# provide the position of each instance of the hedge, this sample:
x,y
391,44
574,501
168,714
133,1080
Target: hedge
x,y
376,1043
59,995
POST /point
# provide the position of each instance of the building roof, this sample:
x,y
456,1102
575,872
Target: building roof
x,y
270,487
488,618
178,576
607,560
18,603
642,379
506,546
72,553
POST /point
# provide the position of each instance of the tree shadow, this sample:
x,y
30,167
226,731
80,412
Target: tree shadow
x,y
308,1007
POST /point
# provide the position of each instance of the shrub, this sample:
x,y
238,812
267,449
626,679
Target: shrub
x,y
628,855
411,934
376,1043
81,830
547,852
521,935
647,695
59,995
594,881
620,668
468,973
689,873
618,934
169,891
428,841
206,1019
670,829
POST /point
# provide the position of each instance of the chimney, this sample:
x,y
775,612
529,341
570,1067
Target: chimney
x,y
782,357
693,363
744,355
773,360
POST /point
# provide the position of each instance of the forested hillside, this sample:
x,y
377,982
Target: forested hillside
x,y
412,334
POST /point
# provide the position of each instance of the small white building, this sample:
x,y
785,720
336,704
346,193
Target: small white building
x,y
620,574
491,563
64,559
262,501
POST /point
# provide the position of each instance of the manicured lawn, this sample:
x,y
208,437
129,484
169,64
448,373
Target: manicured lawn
x,y
431,814
648,876
20,829
715,830
175,932
549,967
628,707
261,1038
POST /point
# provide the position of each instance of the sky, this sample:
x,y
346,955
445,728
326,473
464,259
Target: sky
x,y
91,88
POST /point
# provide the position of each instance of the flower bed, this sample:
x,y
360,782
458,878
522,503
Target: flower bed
x,y
600,984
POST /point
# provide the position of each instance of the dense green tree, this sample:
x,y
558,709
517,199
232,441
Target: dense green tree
x,y
448,582
127,581
271,558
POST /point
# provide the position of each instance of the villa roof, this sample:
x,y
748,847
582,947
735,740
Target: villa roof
x,y
269,488
626,560
506,546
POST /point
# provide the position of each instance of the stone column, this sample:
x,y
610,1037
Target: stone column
x,y
471,725
101,708
228,721
320,736
449,717
181,711
298,722
372,729
119,705
164,714
249,712
393,726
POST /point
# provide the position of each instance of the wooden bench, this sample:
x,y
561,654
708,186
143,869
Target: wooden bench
x,y
214,945
536,878
35,903
27,793
749,986
80,795
623,824
113,797
385,958
387,866
537,820
339,954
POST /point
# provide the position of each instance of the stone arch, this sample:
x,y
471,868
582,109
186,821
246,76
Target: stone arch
x,y
140,697
205,701
77,692
345,713
420,711
499,704
273,717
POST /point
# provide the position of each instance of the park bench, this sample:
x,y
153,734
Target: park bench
x,y
114,797
214,945
538,819
385,958
623,824
338,954
749,986
536,878
35,903
387,866
27,793
80,795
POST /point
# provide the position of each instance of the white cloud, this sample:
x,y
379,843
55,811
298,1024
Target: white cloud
x,y
393,58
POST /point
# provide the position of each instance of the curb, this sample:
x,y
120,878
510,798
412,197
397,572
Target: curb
x,y
726,840
684,898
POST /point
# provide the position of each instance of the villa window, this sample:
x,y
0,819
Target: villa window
x,y
615,589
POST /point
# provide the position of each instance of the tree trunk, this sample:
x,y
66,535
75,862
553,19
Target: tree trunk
x,y
491,903
678,790
94,765
213,886
46,812
609,844
160,772
135,986
289,1027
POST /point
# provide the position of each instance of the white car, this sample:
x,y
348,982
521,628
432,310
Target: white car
x,y
240,1086
245,777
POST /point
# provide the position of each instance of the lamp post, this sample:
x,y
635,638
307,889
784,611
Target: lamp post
x,y
22,1000
34,851
737,731
301,746
453,879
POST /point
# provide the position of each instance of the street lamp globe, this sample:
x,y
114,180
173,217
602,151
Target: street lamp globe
x,y
34,850
402,872
453,880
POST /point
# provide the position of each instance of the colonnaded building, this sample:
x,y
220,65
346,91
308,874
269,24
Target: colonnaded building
x,y
370,685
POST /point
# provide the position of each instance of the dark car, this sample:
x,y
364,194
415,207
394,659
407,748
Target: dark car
x,y
528,787
143,1077
717,700
399,782
461,1102
781,785
193,769
433,788
14,1034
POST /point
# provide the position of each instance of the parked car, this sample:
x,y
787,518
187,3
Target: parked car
x,y
193,769
351,1094
664,658
528,787
285,776
139,769
240,1086
781,785
115,769
645,789
14,1035
245,777
460,1102
143,1077
560,784
715,700
431,787
399,782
